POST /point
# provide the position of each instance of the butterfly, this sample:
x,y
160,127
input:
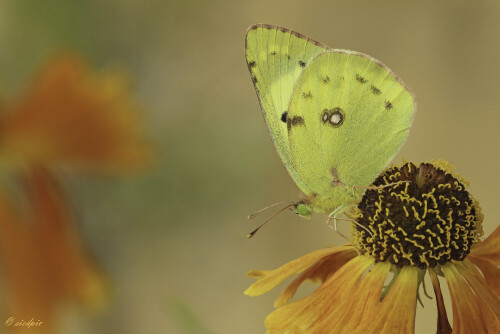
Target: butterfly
x,y
336,117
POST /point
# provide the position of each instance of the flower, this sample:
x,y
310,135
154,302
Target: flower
x,y
71,118
74,117
42,256
413,221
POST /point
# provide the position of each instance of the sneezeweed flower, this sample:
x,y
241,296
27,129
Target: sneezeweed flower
x,y
44,261
418,220
71,118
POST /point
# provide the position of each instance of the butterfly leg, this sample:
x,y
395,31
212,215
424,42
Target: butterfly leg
x,y
376,187
380,187
334,216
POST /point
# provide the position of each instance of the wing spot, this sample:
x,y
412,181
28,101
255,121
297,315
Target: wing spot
x,y
375,90
273,53
254,79
334,117
326,80
325,117
360,79
283,116
388,105
288,56
296,120
307,95
302,64
252,64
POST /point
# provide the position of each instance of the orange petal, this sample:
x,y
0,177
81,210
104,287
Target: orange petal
x,y
396,313
443,325
488,301
490,271
360,304
74,117
467,315
42,258
23,269
321,270
314,313
269,279
42,255
74,275
489,249
349,302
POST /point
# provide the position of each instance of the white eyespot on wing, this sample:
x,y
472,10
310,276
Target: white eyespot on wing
x,y
335,119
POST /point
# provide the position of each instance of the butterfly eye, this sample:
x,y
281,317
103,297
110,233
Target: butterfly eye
x,y
334,116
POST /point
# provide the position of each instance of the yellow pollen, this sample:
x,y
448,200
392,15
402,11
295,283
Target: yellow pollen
x,y
440,242
450,216
446,200
415,243
431,233
406,211
440,229
425,209
423,259
431,196
415,213
455,200
419,226
402,231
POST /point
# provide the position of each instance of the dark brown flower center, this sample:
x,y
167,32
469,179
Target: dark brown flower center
x,y
420,216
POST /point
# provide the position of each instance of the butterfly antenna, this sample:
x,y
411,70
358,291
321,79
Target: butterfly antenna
x,y
253,215
251,234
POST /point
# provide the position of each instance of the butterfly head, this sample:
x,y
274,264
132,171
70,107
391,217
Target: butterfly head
x,y
303,210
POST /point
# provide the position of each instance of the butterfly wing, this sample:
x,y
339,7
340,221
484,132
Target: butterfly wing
x,y
348,116
276,57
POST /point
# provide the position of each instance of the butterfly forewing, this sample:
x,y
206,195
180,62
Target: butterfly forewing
x,y
276,57
348,117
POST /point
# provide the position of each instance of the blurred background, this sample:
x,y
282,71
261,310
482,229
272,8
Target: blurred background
x,y
171,238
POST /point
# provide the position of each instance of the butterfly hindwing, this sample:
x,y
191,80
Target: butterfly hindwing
x,y
276,57
348,116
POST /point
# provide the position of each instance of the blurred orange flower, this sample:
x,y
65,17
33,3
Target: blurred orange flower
x,y
76,119
44,261
71,116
